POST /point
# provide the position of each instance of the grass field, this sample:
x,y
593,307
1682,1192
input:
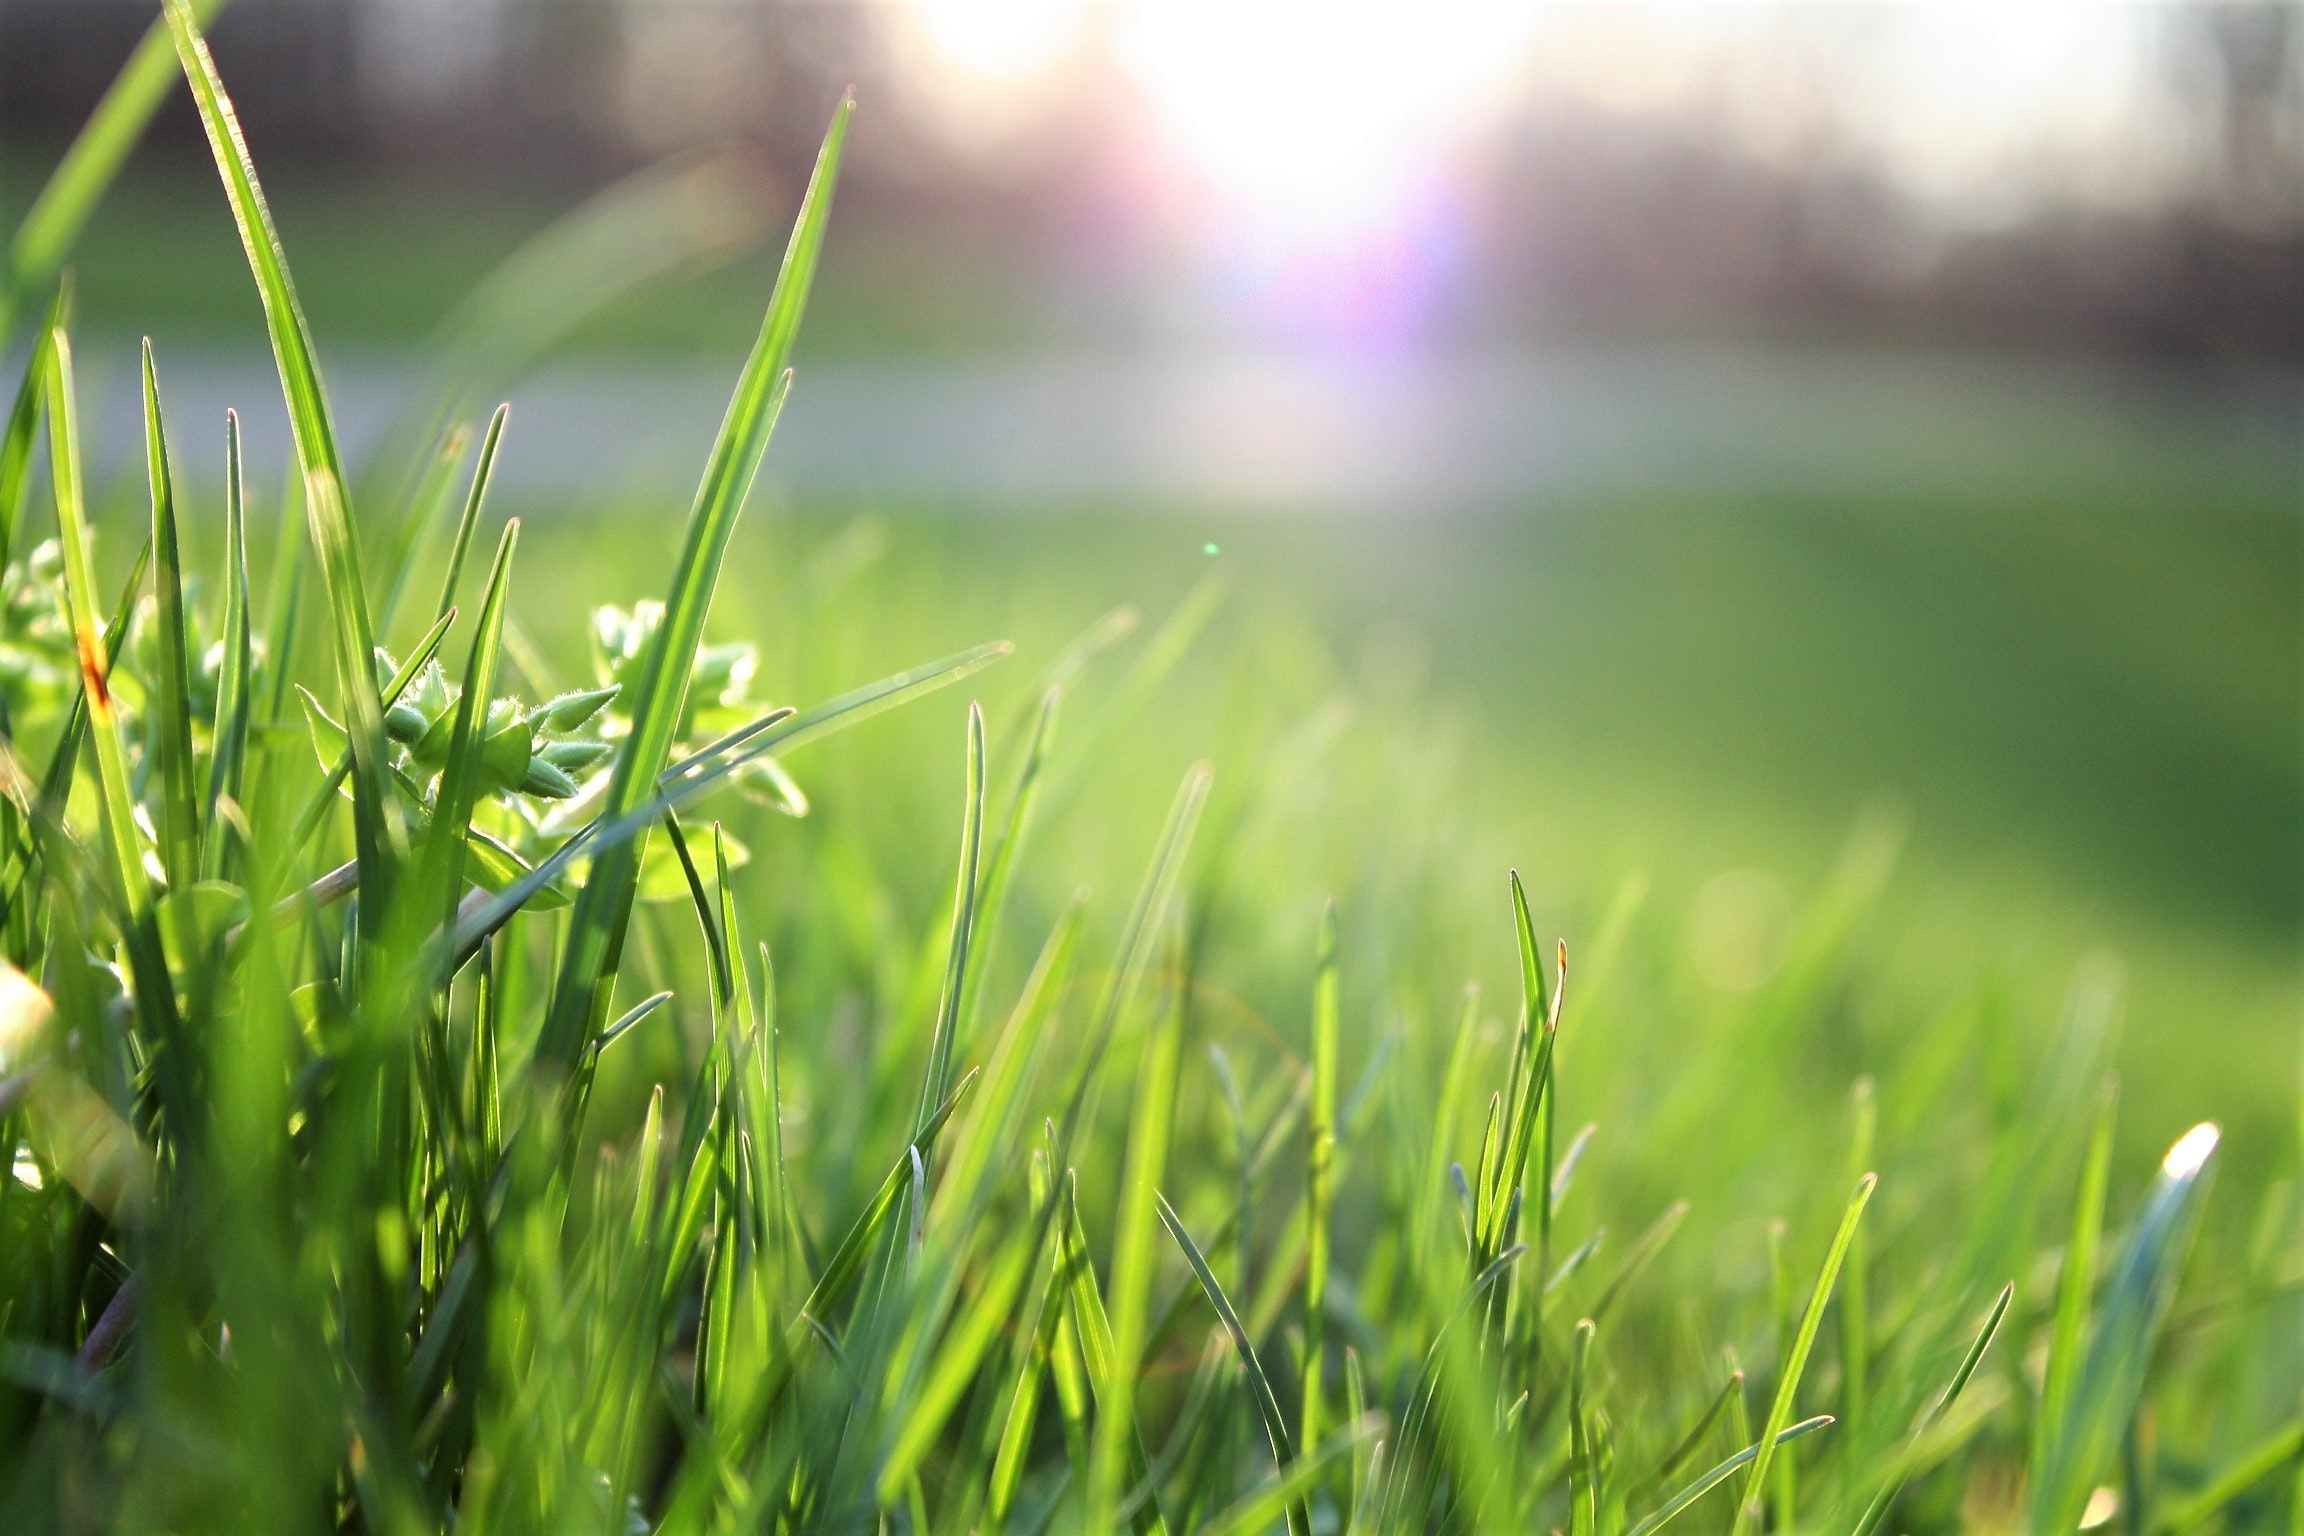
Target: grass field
x,y
1056,1103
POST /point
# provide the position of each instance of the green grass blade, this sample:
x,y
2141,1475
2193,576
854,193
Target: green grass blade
x,y
1260,1390
1877,1510
130,885
2111,1381
1796,1360
417,521
948,1013
1672,1507
461,545
939,1393
171,691
2076,1284
228,734
460,777
1319,1177
1000,868
52,225
1133,1257
377,834
24,422
660,694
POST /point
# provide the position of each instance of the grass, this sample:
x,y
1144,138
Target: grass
x,y
630,1102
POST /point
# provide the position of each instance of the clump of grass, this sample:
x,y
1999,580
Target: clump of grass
x,y
315,1219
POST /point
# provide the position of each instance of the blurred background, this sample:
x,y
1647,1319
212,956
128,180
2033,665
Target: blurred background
x,y
1722,425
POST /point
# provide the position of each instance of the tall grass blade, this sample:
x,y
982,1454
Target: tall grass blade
x,y
2076,1284
24,421
171,690
594,928
1796,1359
1259,1380
1877,1510
235,682
1319,1177
375,811
1672,1507
2111,1381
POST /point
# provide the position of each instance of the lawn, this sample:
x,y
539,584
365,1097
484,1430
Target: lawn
x,y
1583,1015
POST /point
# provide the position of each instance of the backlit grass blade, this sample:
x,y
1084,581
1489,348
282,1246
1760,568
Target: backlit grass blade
x,y
1259,1381
131,886
1133,1255
2111,1381
24,422
948,1012
417,521
461,545
1877,1510
1000,867
171,690
1672,1507
52,225
375,811
1693,1441
460,776
1319,1177
659,695
1795,1361
1136,943
2076,1284
228,733
939,1393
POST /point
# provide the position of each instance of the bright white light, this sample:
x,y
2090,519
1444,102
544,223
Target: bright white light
x,y
1000,40
1318,109
2191,1151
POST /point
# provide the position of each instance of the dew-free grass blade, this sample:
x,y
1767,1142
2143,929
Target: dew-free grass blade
x,y
956,969
1796,1359
482,471
2260,1461
2076,1285
171,690
1319,1177
1672,1507
1260,1391
1118,1443
1286,1490
660,693
417,521
2111,1381
442,879
24,421
377,834
228,733
1877,1510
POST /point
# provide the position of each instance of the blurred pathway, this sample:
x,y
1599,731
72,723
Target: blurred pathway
x,y
1399,435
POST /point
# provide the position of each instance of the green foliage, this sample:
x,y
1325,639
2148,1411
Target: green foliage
x,y
406,1192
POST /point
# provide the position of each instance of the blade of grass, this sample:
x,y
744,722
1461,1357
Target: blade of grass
x,y
1796,1359
170,692
24,421
948,1013
2076,1285
1287,1489
461,545
308,820
657,701
442,878
2111,1381
1133,1257
1672,1507
417,521
377,836
1319,1176
1260,1391
1877,1510
228,734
